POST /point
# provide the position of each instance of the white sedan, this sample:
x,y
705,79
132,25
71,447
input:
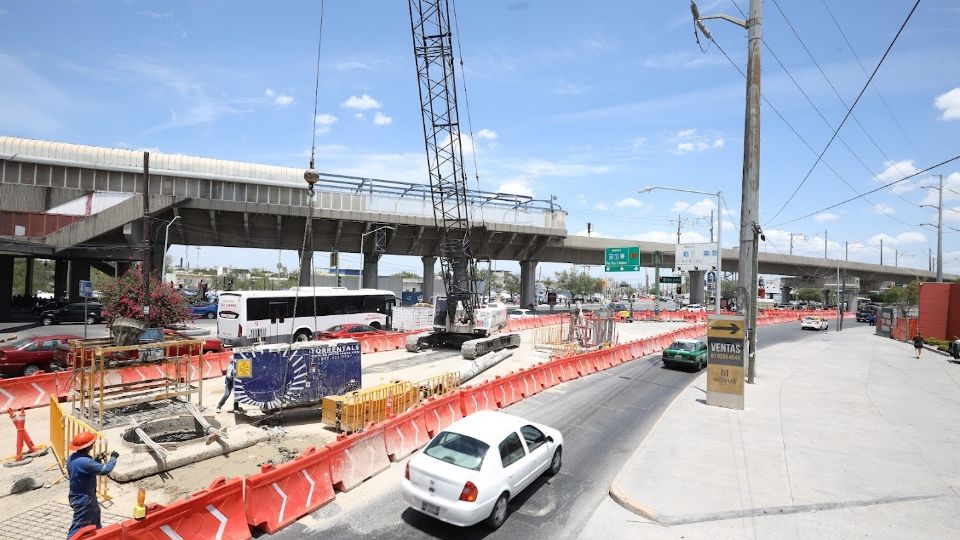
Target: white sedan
x,y
814,323
521,314
469,471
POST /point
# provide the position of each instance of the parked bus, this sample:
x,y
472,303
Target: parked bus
x,y
249,317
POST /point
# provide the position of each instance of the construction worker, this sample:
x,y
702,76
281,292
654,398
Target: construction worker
x,y
228,383
83,471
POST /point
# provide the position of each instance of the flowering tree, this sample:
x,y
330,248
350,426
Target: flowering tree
x,y
124,298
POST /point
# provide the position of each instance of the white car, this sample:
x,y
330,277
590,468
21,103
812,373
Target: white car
x,y
814,323
520,314
469,471
694,307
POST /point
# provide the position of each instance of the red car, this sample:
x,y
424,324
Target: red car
x,y
348,330
30,355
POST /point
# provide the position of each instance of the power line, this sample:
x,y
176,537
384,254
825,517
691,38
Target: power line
x,y
797,133
844,103
849,110
885,186
876,90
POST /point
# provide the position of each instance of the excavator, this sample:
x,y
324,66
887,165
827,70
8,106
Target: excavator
x,y
461,318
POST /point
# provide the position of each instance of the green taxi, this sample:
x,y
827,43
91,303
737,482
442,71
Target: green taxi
x,y
686,352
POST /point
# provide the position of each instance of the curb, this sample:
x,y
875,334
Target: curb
x,y
617,494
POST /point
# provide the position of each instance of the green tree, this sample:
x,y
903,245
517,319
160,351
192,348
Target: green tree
x,y
548,284
728,290
578,283
511,283
809,295
905,298
492,280
406,274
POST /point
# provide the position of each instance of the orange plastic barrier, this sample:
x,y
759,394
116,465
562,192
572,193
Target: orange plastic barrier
x,y
357,457
528,383
91,532
438,413
215,512
28,392
278,496
504,391
545,375
567,368
477,398
405,433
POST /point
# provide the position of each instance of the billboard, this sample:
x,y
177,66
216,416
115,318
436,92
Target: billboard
x,y
696,257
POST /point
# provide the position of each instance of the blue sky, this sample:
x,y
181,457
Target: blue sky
x,y
586,101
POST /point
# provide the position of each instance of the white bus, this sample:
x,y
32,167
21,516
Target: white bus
x,y
249,317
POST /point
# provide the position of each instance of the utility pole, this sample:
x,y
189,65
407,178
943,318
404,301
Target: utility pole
x,y
896,257
750,232
657,260
678,228
839,305
881,251
791,244
824,243
846,250
146,238
940,234
711,226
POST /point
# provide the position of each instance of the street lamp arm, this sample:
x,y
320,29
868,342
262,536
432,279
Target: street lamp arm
x,y
739,22
665,188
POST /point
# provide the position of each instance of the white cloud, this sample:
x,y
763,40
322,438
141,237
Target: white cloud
x,y
900,239
564,88
324,122
949,103
690,140
825,217
515,188
487,134
601,206
630,202
362,103
269,92
284,100
884,208
894,171
728,225
381,119
699,209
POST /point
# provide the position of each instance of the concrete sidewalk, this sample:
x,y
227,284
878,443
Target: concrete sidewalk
x,y
845,435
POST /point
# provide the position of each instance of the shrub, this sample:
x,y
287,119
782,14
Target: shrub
x,y
124,298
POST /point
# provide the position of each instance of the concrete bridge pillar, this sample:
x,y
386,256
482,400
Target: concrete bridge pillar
x,y
697,295
850,297
306,269
6,286
60,271
427,288
371,271
79,270
528,283
28,278
785,292
825,296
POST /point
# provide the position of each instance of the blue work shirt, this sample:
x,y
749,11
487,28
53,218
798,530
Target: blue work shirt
x,y
83,471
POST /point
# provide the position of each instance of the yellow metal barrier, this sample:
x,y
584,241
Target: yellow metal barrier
x,y
550,335
354,411
63,427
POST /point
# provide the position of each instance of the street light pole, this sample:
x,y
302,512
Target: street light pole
x,y
940,233
166,239
362,256
719,271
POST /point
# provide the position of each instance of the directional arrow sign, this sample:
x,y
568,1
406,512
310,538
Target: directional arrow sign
x,y
725,329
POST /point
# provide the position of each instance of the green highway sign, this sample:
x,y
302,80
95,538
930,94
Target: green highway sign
x,y
670,279
625,259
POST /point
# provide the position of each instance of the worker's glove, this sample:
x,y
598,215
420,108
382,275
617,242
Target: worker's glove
x,y
114,454
101,457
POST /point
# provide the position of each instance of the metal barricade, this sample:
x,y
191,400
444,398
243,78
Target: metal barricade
x,y
355,411
63,427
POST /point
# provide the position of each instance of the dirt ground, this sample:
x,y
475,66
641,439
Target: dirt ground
x,y
298,430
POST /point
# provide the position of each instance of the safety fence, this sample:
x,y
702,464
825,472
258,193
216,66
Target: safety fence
x,y
279,495
38,390
526,323
63,427
356,410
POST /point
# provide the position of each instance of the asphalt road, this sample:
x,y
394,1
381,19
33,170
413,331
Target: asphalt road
x,y
603,418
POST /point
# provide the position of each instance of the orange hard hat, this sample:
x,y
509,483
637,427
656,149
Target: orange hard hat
x,y
82,440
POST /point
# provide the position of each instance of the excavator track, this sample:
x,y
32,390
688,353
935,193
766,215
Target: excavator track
x,y
478,347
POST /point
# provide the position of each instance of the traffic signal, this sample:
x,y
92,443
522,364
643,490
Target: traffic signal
x,y
679,290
